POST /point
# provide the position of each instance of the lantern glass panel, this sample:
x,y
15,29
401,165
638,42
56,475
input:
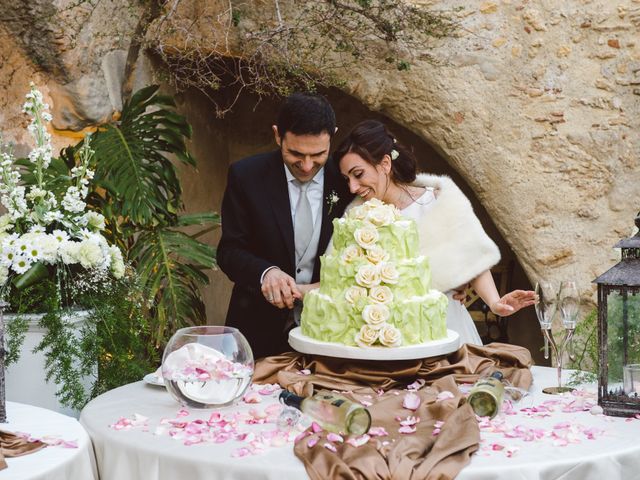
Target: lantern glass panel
x,y
623,335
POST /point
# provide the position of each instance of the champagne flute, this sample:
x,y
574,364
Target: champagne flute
x,y
545,309
569,301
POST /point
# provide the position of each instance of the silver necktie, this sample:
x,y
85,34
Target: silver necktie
x,y
303,225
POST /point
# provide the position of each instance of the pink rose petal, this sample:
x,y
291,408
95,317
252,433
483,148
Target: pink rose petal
x,y
330,447
444,395
407,429
378,432
252,397
411,401
417,385
409,421
358,441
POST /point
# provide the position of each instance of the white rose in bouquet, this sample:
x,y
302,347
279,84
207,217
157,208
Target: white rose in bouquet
x,y
94,221
366,336
351,253
366,237
375,315
381,294
388,273
377,254
89,254
117,263
355,293
368,276
389,336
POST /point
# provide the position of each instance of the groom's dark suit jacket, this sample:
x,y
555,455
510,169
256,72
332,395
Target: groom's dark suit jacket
x,y
257,232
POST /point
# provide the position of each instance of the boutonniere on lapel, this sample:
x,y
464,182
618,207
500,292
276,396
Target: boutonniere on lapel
x,y
332,199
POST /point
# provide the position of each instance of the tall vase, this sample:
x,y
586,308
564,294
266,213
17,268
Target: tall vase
x,y
25,380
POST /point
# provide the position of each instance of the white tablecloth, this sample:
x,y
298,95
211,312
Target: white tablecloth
x,y
141,455
52,462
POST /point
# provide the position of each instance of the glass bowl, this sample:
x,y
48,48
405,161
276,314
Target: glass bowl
x,y
207,366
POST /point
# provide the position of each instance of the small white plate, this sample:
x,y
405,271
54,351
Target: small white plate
x,y
153,379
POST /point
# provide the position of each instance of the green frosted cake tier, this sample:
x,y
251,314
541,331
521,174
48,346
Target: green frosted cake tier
x,y
400,239
419,319
414,276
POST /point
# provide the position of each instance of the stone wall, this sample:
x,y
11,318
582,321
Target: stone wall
x,y
534,104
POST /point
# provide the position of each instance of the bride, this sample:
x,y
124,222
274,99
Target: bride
x,y
375,165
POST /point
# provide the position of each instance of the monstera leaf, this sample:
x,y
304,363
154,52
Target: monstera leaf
x,y
138,192
133,165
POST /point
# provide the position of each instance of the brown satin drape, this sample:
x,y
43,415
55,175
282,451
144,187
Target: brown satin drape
x,y
420,455
14,446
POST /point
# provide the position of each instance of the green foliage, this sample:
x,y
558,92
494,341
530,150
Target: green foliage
x,y
106,341
585,344
619,309
140,196
121,339
586,339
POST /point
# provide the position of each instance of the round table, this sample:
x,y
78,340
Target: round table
x,y
141,455
52,462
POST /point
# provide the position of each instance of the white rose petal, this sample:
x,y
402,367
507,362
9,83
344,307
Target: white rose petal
x,y
375,315
368,276
377,254
366,237
388,273
355,293
381,295
366,336
390,336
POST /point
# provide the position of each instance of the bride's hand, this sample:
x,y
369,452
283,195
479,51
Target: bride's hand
x,y
512,302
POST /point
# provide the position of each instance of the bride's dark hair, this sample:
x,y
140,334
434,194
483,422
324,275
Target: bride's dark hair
x,y
372,140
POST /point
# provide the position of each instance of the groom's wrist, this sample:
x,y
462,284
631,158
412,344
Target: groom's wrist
x,y
266,271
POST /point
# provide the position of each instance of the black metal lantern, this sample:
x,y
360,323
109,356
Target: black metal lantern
x,y
619,332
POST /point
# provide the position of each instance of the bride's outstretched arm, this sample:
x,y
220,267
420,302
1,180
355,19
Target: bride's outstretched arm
x,y
509,304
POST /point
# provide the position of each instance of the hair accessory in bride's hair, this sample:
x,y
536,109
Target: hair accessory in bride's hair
x,y
394,154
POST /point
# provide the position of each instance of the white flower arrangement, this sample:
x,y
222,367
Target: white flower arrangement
x,y
45,226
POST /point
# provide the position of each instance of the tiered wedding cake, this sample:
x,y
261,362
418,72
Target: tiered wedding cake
x,y
374,288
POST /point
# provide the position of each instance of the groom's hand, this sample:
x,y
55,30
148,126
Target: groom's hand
x,y
279,289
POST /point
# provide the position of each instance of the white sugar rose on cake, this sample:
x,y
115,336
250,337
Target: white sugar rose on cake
x,y
374,287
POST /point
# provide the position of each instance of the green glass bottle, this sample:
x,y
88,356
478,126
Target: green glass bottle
x,y
486,395
333,412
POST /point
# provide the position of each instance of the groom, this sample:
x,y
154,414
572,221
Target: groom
x,y
277,217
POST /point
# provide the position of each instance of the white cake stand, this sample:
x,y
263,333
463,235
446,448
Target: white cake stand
x,y
304,344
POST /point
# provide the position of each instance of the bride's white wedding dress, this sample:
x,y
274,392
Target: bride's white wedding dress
x,y
458,318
